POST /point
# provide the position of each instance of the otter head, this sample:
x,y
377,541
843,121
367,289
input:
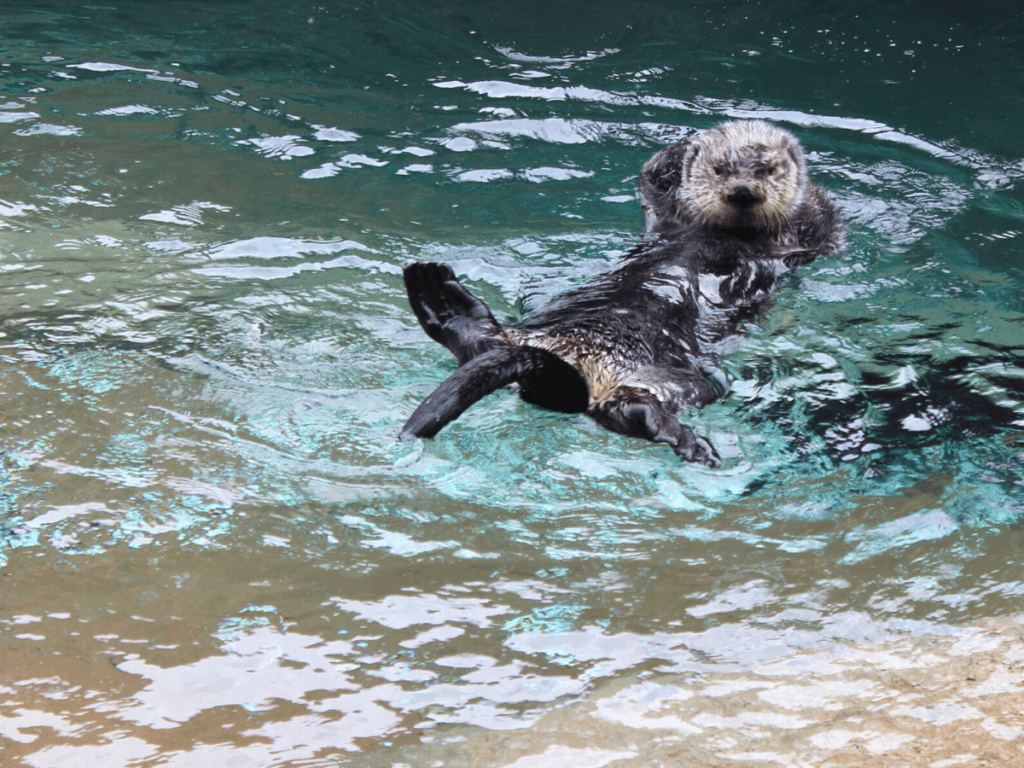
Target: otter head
x,y
748,174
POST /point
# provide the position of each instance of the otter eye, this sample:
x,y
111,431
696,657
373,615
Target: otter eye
x,y
719,169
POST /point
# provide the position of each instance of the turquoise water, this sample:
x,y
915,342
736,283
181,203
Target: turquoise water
x,y
212,549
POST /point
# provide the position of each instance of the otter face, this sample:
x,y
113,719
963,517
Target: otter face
x,y
747,174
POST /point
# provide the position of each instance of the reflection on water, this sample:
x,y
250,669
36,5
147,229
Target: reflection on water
x,y
212,550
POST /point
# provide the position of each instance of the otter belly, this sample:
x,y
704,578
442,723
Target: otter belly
x,y
615,361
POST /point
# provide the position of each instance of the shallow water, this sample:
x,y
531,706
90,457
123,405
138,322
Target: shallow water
x,y
214,552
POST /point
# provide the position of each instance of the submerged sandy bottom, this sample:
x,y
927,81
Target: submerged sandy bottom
x,y
933,700
93,686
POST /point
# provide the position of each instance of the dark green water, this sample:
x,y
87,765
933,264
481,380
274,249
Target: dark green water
x,y
214,553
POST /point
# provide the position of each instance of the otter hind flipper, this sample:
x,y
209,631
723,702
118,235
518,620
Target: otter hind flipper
x,y
544,379
450,314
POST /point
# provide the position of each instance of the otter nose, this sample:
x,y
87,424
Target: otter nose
x,y
743,197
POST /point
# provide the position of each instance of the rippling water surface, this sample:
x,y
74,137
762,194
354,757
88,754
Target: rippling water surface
x,y
214,553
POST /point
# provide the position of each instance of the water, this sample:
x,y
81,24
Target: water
x,y
214,552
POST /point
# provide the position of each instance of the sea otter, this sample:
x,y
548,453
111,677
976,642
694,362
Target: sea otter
x,y
726,213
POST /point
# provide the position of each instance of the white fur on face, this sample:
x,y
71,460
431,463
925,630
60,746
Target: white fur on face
x,y
753,158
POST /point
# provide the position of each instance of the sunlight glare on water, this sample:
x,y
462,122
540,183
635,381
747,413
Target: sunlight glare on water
x,y
214,552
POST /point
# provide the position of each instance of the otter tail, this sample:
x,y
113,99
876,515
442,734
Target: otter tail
x,y
543,379
450,314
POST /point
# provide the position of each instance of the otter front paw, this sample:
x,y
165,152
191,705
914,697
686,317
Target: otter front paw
x,y
666,428
638,414
693,447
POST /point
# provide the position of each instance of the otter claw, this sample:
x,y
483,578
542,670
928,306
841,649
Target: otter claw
x,y
706,454
693,448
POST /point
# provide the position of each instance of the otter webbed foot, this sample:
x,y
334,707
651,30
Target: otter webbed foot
x,y
450,314
638,414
